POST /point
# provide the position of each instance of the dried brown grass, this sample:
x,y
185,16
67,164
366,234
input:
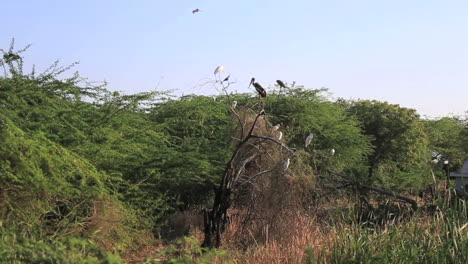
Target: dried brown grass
x,y
285,242
269,223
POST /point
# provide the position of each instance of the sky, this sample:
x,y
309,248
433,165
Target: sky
x,y
413,53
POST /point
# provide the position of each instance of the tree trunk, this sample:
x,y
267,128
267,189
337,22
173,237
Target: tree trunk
x,y
215,219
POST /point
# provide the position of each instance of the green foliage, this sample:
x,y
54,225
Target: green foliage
x,y
43,184
19,249
108,129
305,111
448,141
400,144
199,146
310,256
188,251
51,173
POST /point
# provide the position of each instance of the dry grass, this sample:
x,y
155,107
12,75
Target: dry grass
x,y
284,243
285,232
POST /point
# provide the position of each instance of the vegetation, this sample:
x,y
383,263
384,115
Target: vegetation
x,y
88,175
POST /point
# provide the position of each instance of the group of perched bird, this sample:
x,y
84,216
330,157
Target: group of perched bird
x,y
307,142
280,136
262,92
258,87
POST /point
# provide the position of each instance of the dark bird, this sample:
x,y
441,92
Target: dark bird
x,y
196,11
227,78
258,87
281,84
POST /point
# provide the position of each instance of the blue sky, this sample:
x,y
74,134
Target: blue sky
x,y
412,53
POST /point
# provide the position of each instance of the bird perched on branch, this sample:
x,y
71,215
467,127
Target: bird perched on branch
x,y
234,104
280,135
226,79
309,139
219,69
332,152
281,84
276,127
258,87
196,10
286,165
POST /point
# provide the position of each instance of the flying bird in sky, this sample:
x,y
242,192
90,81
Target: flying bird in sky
x,y
196,10
258,87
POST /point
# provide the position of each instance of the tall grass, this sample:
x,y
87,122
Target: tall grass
x,y
438,238
436,233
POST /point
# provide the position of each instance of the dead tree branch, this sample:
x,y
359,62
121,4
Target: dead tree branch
x,y
234,176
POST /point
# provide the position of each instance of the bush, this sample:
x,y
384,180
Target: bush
x,y
16,249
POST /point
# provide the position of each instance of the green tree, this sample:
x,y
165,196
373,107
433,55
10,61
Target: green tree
x,y
199,140
400,144
447,142
302,112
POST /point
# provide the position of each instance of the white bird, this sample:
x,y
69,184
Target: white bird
x,y
435,161
234,104
332,152
276,127
309,139
446,161
219,69
286,165
280,135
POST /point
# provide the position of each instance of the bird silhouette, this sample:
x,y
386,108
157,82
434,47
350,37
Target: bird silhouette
x,y
226,79
258,87
196,10
281,84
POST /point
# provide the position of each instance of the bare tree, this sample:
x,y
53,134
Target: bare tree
x,y
255,146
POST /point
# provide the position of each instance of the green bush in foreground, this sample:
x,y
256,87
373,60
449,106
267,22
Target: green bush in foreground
x,y
188,251
16,249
